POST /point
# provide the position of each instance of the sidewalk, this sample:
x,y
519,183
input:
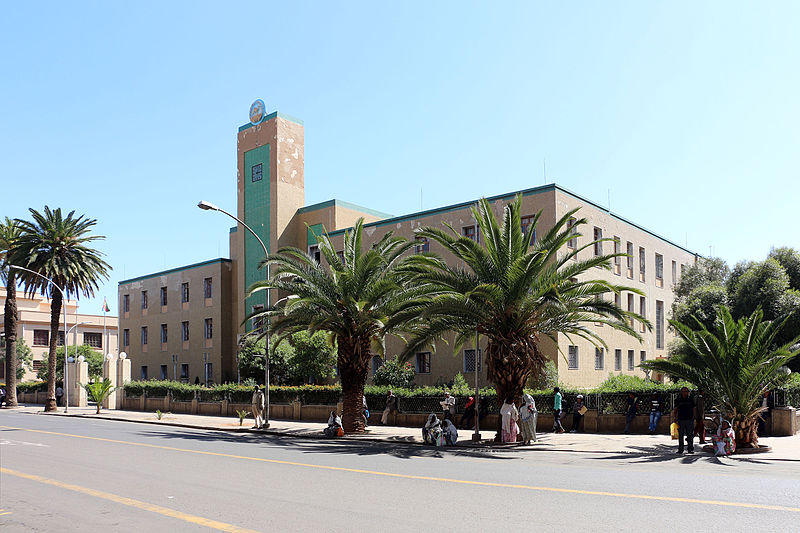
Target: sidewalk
x,y
783,448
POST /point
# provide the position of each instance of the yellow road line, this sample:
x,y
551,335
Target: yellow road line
x,y
5,513
430,478
172,513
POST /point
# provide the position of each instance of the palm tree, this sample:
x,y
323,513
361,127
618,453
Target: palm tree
x,y
57,248
514,290
352,299
9,239
733,363
98,391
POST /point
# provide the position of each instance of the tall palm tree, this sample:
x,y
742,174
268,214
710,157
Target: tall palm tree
x,y
733,363
513,289
9,239
57,247
352,298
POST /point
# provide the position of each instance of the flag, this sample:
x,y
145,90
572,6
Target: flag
x,y
105,306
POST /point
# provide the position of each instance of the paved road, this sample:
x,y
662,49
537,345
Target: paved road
x,y
61,474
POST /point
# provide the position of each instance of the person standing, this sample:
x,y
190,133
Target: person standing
x,y
365,411
527,419
700,417
765,418
509,415
557,398
257,406
468,418
578,409
59,395
656,411
630,411
684,413
448,407
391,405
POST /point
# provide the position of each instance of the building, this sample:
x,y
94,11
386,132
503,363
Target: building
x,y
271,200
98,331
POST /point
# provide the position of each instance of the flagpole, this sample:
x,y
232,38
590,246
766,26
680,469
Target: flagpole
x,y
105,336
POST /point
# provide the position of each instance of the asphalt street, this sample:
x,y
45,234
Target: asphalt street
x,y
61,474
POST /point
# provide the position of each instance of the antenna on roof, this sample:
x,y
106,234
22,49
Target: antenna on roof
x,y
420,198
544,170
609,199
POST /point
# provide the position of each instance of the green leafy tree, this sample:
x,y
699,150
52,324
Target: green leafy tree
x,y
547,379
789,258
760,285
58,248
98,391
395,373
706,271
251,361
93,359
514,290
733,363
24,360
351,298
314,357
10,233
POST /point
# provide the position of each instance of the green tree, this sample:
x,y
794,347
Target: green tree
x,y
93,359
251,361
58,248
98,391
352,299
10,233
24,360
759,285
789,258
395,373
733,363
706,271
314,357
514,290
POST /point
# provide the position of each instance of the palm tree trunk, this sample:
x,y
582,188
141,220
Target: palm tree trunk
x,y
509,372
10,325
746,430
353,372
55,313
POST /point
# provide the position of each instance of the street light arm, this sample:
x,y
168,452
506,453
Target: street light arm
x,y
53,283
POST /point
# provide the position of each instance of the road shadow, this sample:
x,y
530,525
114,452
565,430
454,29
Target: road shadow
x,y
664,453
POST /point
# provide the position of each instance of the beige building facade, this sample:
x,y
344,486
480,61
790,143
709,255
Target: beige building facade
x,y
101,333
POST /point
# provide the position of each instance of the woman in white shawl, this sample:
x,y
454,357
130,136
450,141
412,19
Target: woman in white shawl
x,y
334,425
431,429
510,416
527,419
725,439
450,432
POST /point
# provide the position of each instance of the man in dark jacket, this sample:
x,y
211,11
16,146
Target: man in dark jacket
x,y
630,411
684,413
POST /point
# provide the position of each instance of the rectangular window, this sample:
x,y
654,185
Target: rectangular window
x,y
126,337
599,358
144,299
209,373
163,296
184,371
618,300
184,292
598,244
144,335
314,252
642,257
422,245
469,360
41,337
683,269
163,333
617,250
573,242
470,233
526,223
126,302
659,267
144,372
617,360
631,361
164,372
424,363
630,308
95,340
208,287
572,359
642,311
659,324
642,356
674,272
37,365
257,172
185,331
629,259
209,329
60,339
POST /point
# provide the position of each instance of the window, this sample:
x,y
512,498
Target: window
x,y
631,362
208,370
642,356
659,267
618,300
184,292
144,299
598,243
257,172
185,371
469,360
526,223
683,269
572,359
630,308
674,272
126,337
209,329
95,340
599,358
185,331
41,337
642,310
164,372
659,324
60,339
470,233
37,365
377,362
126,302
641,263
144,372
208,288
144,335
258,322
617,259
313,251
573,242
617,360
424,363
629,251
163,333
163,296
422,245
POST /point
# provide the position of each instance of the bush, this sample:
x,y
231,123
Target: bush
x,y
627,383
394,373
31,386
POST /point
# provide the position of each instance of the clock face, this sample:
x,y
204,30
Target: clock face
x,y
257,112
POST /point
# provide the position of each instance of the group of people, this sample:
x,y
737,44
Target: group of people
x,y
520,421
439,432
559,413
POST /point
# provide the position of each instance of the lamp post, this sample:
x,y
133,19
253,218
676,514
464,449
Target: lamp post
x,y
64,304
208,206
66,353
476,437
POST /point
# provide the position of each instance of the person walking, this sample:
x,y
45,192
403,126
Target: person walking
x,y
365,411
59,395
527,419
656,411
684,413
257,405
578,410
509,415
557,398
700,416
391,405
468,418
448,407
630,411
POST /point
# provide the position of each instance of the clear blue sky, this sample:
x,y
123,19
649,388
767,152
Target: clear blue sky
x,y
127,112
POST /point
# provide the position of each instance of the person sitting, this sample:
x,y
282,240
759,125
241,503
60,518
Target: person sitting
x,y
334,428
656,411
725,440
3,396
450,433
432,430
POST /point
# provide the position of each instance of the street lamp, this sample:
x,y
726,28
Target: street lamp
x,y
208,206
64,304
66,353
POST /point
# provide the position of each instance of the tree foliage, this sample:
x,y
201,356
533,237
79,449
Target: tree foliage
x,y
302,358
24,357
395,373
93,358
